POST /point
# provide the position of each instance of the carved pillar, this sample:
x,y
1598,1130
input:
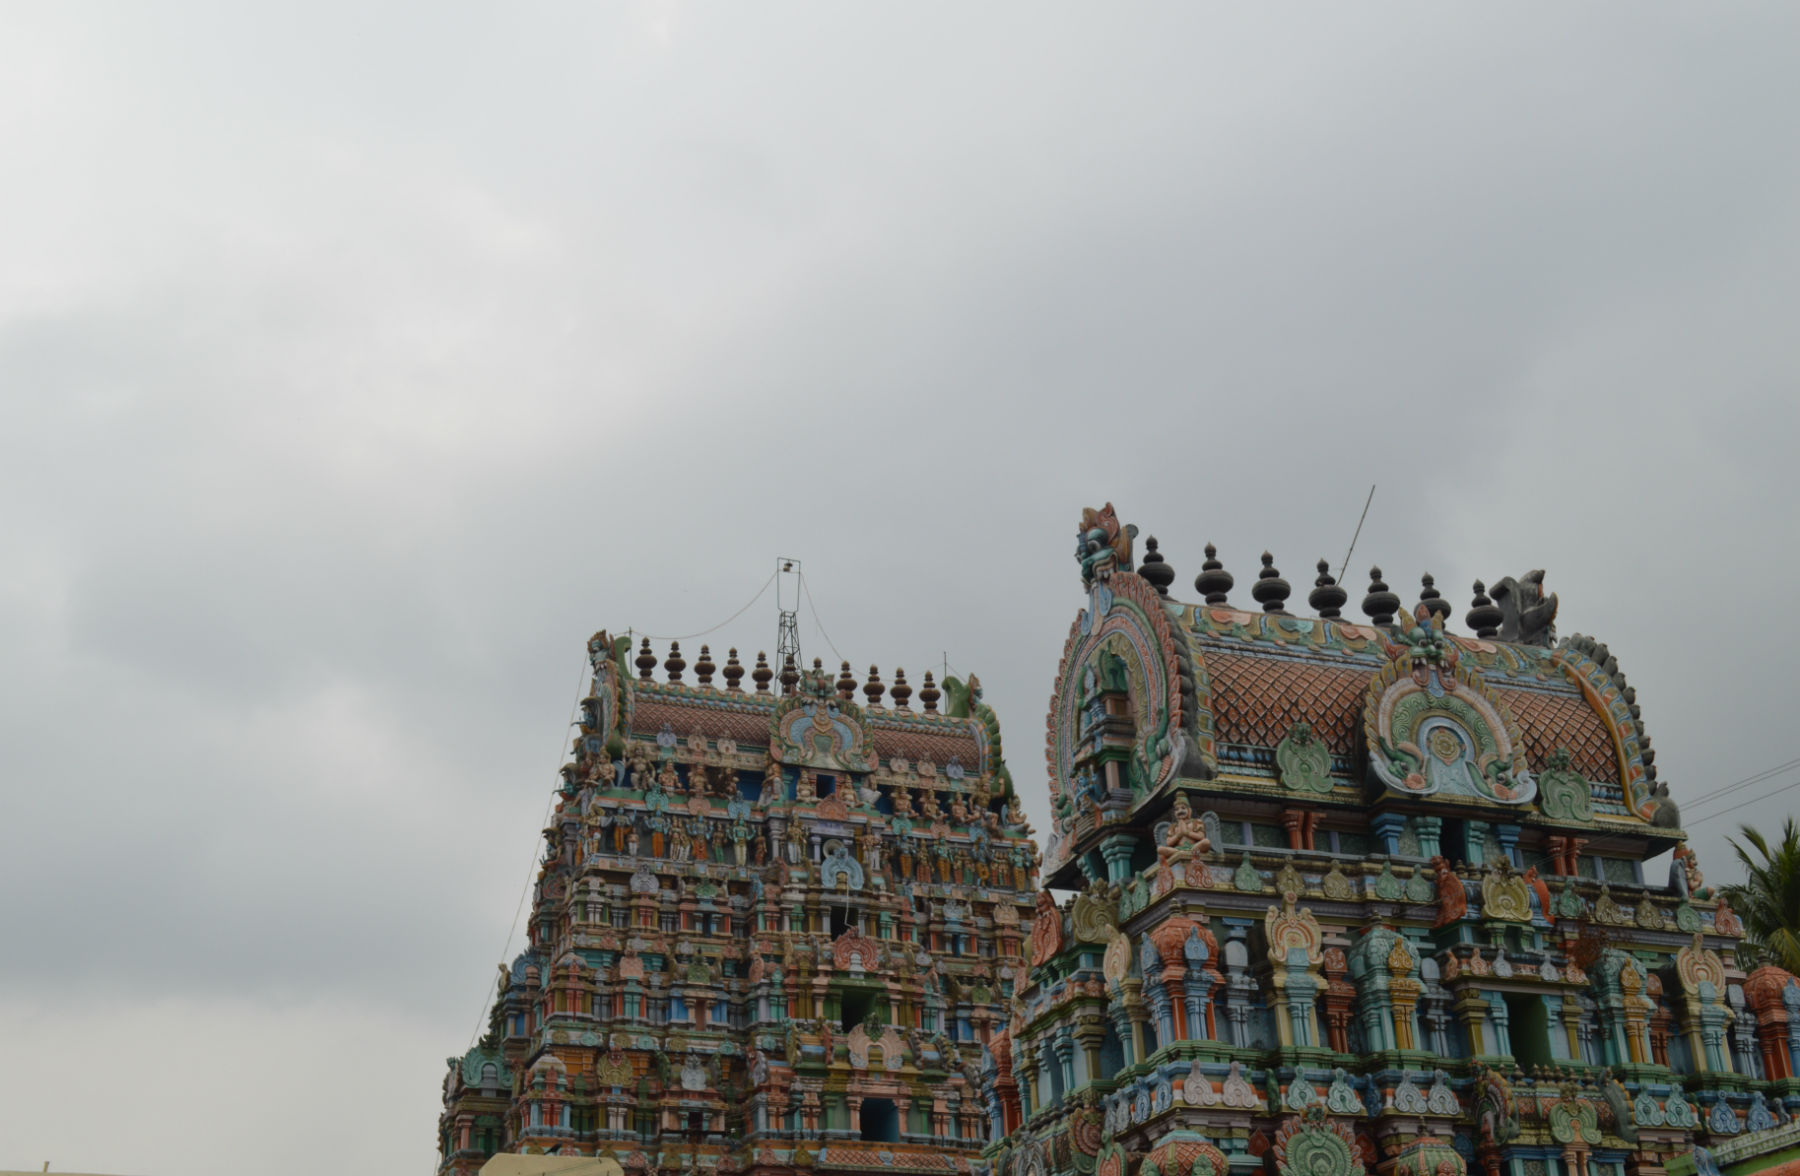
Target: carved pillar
x,y
1089,1033
1117,851
1388,827
1571,1019
1134,1009
1471,1009
1064,1046
1429,831
1121,1019
1508,836
1475,835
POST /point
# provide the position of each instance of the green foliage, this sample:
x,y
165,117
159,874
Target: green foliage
x,y
1768,900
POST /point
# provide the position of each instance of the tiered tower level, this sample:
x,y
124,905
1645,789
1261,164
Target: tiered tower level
x,y
1366,898
773,929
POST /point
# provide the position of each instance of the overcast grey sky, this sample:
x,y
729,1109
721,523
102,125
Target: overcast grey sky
x,y
355,366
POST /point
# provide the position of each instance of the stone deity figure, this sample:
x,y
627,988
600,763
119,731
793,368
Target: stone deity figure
x,y
702,835
807,789
631,840
679,845
1186,836
669,778
868,847
796,843
959,811
740,838
903,806
929,804
638,759
759,847
727,781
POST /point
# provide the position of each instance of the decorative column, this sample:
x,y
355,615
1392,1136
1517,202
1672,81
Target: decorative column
x,y
1121,1019
1702,976
1089,1032
1170,940
1117,850
1064,1045
1508,836
1429,831
1388,827
1294,957
1471,1009
1475,834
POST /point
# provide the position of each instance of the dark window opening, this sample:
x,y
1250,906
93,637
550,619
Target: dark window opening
x,y
856,1007
696,1124
880,1121
1528,1025
1454,842
825,786
750,785
842,919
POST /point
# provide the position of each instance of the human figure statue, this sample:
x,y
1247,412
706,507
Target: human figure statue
x,y
1186,835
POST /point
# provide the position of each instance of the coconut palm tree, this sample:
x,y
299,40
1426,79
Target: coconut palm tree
x,y
1768,900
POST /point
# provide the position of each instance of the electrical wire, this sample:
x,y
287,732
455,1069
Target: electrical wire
x,y
1744,783
1745,804
1734,786
814,609
525,892
734,616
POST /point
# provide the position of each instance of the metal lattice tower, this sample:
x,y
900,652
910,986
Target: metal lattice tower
x,y
787,592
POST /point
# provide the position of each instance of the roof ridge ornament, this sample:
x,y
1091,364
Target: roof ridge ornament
x,y
1528,617
1103,544
1214,582
1484,615
1156,569
1270,590
1380,605
1327,597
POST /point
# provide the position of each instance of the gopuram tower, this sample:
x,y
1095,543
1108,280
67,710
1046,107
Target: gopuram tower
x,y
773,928
1367,897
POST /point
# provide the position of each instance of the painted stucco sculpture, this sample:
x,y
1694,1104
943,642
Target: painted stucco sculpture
x,y
775,928
1415,934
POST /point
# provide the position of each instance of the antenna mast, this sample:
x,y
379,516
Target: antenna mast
x,y
787,591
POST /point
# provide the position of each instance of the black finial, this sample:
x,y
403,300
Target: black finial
x,y
900,691
1213,582
646,660
1270,590
762,673
675,663
1484,615
703,669
929,695
873,689
1155,568
1431,598
846,683
1326,598
1380,605
790,675
734,670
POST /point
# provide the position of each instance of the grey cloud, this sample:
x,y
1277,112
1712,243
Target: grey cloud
x,y
354,367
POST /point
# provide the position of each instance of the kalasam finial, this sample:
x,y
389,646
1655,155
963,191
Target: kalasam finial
x,y
1380,605
1213,582
1327,598
1155,568
1270,590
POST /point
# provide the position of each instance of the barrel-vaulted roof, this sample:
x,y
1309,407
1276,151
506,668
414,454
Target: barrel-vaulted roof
x,y
1257,698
